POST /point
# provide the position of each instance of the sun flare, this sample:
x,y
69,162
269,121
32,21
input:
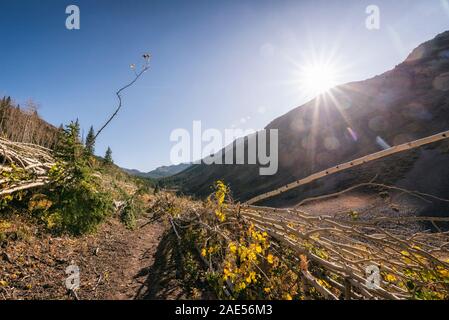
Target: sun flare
x,y
318,78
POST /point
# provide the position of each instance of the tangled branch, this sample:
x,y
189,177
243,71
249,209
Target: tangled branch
x,y
321,256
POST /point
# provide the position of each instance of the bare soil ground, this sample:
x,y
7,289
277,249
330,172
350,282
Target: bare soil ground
x,y
115,263
343,204
366,205
369,204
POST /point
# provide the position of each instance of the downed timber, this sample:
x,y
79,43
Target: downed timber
x,y
31,163
351,164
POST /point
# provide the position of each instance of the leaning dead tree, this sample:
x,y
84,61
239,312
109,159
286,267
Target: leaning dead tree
x,y
144,69
23,166
26,165
351,164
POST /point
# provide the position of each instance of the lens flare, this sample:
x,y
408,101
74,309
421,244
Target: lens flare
x,y
317,78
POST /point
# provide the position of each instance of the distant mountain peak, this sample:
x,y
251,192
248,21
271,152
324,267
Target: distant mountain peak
x,y
160,172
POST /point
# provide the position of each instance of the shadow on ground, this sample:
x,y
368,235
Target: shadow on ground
x,y
164,279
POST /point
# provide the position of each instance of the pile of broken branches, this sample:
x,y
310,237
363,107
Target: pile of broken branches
x,y
345,258
411,266
23,166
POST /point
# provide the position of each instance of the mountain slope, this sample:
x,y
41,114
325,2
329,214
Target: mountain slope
x,y
404,104
160,172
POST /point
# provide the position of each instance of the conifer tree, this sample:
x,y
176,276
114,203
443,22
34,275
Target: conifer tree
x,y
108,156
69,146
90,141
156,188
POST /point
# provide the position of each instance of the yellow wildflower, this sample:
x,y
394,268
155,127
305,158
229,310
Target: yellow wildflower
x,y
443,272
232,247
390,278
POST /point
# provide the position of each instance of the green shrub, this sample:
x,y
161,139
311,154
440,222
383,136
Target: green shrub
x,y
77,209
77,203
132,209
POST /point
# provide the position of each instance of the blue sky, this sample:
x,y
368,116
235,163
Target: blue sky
x,y
226,63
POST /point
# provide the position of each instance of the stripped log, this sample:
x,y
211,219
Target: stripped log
x,y
351,164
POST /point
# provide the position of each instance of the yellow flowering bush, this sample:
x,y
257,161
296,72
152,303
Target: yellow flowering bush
x,y
241,262
218,198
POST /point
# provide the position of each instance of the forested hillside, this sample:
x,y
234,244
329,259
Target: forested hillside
x,y
23,124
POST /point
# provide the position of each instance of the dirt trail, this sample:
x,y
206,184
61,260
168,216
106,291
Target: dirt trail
x,y
114,263
142,249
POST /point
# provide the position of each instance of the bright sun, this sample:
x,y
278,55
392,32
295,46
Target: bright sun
x,y
317,78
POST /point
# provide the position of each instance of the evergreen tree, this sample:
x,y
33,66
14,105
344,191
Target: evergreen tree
x,y
156,188
79,203
69,146
90,141
108,156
